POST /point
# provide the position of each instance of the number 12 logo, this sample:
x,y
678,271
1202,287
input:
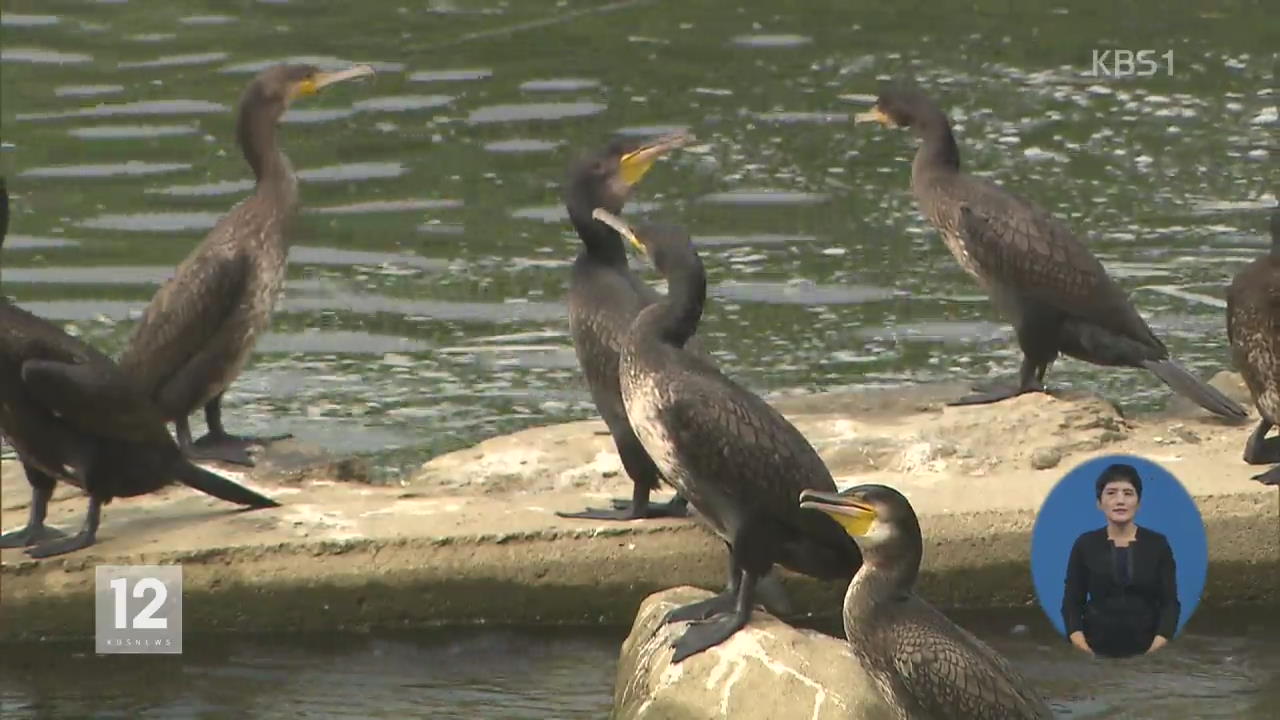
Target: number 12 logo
x,y
138,609
143,620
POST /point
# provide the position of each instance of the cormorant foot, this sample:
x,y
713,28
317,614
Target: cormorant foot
x,y
1262,451
61,547
703,609
601,514
994,393
28,536
233,452
677,507
1270,477
706,634
223,439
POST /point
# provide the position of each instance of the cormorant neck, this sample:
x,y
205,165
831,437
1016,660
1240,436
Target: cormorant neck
x,y
938,150
256,134
603,243
889,573
674,320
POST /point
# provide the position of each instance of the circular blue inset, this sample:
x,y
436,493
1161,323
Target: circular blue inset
x,y
1071,509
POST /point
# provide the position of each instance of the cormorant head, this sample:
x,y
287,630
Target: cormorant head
x,y
666,245
279,85
904,108
270,94
877,517
604,179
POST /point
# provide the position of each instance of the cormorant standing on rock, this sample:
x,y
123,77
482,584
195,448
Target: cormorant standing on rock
x,y
739,462
927,667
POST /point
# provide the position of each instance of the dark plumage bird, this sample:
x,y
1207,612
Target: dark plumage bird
x,y
604,297
197,333
1253,327
1037,272
739,462
927,667
73,416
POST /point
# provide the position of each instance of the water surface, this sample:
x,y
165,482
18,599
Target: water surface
x,y
1225,667
431,193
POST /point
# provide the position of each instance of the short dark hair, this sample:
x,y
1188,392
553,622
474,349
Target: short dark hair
x,y
1122,472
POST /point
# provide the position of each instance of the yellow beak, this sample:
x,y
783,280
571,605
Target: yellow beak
x,y
875,114
854,516
620,225
319,81
636,163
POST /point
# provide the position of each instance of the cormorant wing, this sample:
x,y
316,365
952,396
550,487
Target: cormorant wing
x,y
97,399
73,380
1033,254
952,674
184,314
759,457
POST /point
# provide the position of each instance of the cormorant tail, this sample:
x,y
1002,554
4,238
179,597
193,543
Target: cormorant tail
x,y
1195,389
220,487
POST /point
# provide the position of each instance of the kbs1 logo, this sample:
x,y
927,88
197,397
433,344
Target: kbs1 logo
x,y
1130,63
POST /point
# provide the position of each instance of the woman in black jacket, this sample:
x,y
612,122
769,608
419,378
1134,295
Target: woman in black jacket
x,y
1121,594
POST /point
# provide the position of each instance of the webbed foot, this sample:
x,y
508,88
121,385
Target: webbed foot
x,y
675,507
995,392
707,634
703,609
628,510
29,536
62,546
1270,477
228,451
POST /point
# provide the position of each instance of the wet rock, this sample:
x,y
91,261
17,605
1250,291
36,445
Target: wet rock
x,y
766,670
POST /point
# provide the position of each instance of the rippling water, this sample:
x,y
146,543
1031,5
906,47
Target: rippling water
x,y
1229,672
425,303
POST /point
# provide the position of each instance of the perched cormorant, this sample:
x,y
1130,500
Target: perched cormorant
x,y
604,297
927,667
195,336
73,416
1253,327
739,462
1042,277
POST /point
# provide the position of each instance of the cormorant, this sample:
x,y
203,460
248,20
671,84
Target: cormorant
x,y
1042,277
1253,328
927,667
72,415
197,333
739,462
604,297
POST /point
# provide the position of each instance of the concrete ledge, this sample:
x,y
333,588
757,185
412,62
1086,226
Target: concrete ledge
x,y
472,538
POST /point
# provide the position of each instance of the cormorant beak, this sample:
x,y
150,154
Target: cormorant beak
x,y
633,165
621,226
875,114
319,81
854,515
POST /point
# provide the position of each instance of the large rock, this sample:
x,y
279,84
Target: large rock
x,y
767,670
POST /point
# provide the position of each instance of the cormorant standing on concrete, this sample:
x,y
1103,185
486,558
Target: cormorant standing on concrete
x,y
197,333
1042,277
